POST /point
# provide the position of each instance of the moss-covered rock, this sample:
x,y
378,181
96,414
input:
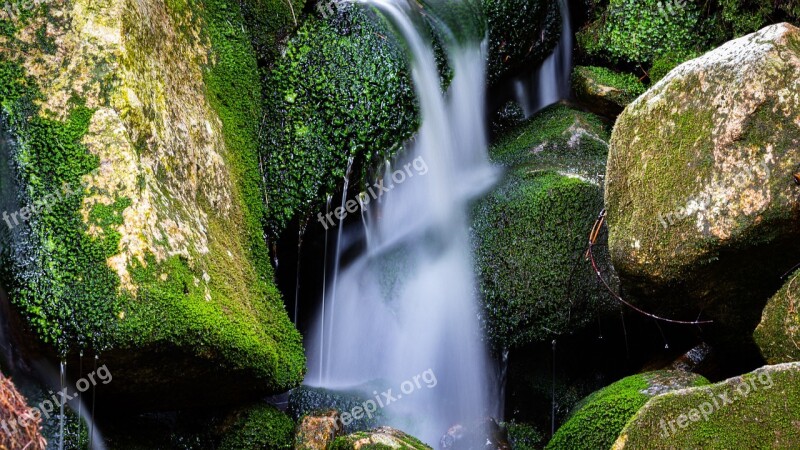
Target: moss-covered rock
x,y
382,438
261,428
702,205
598,419
530,232
342,89
778,333
604,90
137,228
521,34
756,410
306,400
522,436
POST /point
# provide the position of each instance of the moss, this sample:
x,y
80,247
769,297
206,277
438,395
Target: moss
x,y
759,407
618,88
638,31
59,271
519,40
530,232
58,277
268,23
383,438
328,99
308,400
777,334
663,64
524,437
598,419
262,428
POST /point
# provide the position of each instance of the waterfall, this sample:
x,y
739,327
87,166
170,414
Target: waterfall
x,y
550,83
407,306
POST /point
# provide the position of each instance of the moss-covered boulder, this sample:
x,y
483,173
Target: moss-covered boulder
x,y
378,439
262,427
134,200
756,410
778,333
597,420
341,90
702,204
605,91
306,400
522,33
531,231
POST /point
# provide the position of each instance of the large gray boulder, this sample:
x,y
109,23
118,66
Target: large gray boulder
x,y
702,204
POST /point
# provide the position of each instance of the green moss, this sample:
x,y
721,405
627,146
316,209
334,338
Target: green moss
x,y
341,90
519,40
663,64
532,235
777,334
530,232
759,408
524,437
618,88
58,275
598,419
308,400
59,272
262,428
553,128
638,31
383,438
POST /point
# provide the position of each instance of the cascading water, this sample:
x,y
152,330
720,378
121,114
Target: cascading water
x,y
550,82
408,304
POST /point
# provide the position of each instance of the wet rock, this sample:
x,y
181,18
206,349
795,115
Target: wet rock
x,y
317,431
604,91
306,400
483,435
756,409
702,206
383,437
778,333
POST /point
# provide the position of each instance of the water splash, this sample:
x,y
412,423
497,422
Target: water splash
x,y
408,303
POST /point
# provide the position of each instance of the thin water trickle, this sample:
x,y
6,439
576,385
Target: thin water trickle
x,y
407,304
61,415
321,337
336,263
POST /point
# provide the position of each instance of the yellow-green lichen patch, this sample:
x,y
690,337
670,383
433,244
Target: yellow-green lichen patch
x,y
778,334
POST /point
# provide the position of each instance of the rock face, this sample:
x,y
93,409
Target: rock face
x,y
317,431
778,334
599,418
756,410
383,437
530,232
702,206
135,210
